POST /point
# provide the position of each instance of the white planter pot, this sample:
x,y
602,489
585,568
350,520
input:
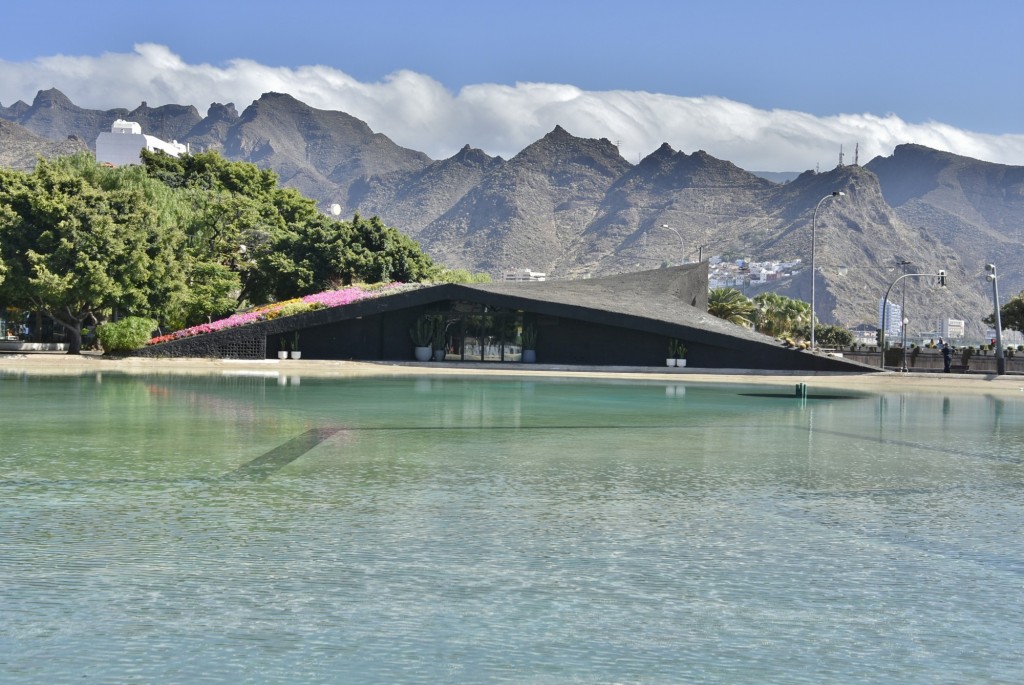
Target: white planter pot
x,y
282,354
670,362
439,355
680,362
296,355
423,354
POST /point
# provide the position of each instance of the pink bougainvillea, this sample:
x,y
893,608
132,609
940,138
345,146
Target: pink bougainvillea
x,y
326,299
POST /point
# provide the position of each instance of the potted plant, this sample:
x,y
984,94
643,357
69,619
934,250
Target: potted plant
x,y
529,341
422,333
440,350
282,349
678,353
296,354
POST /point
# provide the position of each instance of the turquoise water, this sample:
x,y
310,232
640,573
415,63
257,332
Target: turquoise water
x,y
265,530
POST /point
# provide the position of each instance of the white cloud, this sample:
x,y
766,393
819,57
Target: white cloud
x,y
418,112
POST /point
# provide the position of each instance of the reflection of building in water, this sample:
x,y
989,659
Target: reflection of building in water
x,y
125,141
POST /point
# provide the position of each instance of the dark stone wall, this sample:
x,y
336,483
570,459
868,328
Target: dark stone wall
x,y
569,341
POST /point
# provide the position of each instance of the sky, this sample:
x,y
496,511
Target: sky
x,y
777,85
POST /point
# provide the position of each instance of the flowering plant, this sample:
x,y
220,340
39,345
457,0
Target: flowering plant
x,y
322,300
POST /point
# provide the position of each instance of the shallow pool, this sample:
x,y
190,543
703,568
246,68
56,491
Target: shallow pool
x,y
252,528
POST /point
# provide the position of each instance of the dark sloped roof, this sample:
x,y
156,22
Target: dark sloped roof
x,y
653,300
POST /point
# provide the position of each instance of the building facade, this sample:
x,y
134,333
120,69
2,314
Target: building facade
x,y
125,141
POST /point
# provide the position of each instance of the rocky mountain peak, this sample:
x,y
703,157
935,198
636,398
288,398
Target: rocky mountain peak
x,y
52,99
15,111
222,112
471,155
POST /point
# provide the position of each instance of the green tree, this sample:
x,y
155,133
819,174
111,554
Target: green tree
x,y
778,315
380,254
1011,314
732,305
826,335
76,251
446,275
276,240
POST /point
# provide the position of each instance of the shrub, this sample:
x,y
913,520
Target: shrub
x,y
130,333
894,356
965,355
292,308
828,335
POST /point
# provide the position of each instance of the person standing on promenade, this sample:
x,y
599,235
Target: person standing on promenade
x,y
947,357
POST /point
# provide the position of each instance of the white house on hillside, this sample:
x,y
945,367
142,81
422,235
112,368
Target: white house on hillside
x,y
126,141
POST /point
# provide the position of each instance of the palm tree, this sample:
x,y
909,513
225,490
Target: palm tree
x,y
778,315
732,305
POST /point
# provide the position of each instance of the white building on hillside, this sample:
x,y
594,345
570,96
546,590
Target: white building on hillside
x,y
524,275
126,141
951,328
893,323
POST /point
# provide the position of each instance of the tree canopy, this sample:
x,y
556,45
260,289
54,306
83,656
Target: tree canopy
x,y
1011,314
77,250
732,305
778,316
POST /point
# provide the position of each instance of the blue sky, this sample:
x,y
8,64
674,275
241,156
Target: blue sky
x,y
774,85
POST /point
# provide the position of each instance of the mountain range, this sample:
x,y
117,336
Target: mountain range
x,y
574,207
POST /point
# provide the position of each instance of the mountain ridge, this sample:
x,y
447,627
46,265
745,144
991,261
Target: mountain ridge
x,y
573,207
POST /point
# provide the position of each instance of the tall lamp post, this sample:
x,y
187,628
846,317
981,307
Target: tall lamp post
x,y
814,222
1000,359
885,305
903,315
678,235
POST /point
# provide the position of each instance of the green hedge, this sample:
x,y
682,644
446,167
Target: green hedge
x,y
130,333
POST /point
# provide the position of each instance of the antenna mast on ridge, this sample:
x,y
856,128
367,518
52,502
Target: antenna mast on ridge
x,y
840,154
856,155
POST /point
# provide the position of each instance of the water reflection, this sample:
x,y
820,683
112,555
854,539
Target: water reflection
x,y
437,530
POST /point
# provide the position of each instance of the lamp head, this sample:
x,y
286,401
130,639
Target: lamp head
x,y
990,277
838,193
991,268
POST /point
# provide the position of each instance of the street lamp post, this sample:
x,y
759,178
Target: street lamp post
x,y
678,235
1000,359
814,221
903,312
885,305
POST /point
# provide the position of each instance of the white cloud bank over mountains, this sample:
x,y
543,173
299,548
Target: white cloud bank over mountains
x,y
418,112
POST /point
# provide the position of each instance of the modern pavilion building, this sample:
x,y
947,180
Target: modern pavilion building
x,y
622,320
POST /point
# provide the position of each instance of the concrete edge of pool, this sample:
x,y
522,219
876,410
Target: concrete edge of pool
x,y
882,381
